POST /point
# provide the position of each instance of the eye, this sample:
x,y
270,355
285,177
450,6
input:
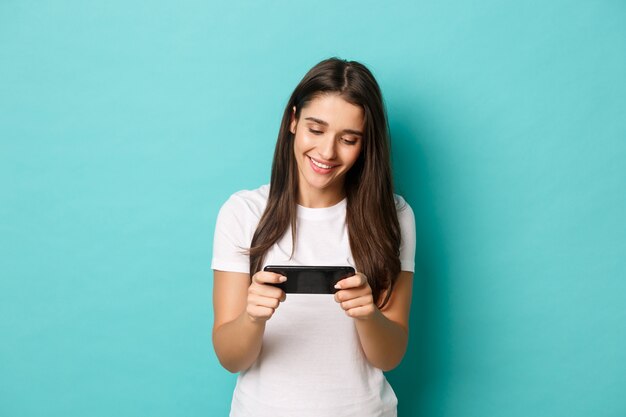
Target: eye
x,y
315,132
349,141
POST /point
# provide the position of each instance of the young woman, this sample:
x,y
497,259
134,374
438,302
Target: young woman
x,y
330,202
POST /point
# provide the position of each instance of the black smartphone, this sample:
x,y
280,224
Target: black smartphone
x,y
310,279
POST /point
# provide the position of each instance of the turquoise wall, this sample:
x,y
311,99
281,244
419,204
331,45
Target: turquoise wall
x,y
125,124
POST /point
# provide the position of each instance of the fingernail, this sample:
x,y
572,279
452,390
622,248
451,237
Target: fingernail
x,y
337,286
282,278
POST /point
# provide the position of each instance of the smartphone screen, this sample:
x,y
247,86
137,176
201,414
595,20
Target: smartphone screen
x,y
310,279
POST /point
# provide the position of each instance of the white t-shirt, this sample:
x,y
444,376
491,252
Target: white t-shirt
x,y
311,362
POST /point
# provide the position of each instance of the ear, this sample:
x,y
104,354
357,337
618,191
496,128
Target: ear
x,y
293,122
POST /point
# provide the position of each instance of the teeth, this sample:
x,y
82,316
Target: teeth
x,y
320,164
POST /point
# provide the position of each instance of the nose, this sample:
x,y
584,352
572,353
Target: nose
x,y
326,147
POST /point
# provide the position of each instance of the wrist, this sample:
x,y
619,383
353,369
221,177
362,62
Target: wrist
x,y
375,315
252,321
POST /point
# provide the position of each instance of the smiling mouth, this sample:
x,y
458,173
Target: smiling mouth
x,y
321,165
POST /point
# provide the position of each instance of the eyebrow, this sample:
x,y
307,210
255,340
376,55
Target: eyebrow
x,y
321,122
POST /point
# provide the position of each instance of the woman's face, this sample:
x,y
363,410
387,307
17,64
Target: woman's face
x,y
328,140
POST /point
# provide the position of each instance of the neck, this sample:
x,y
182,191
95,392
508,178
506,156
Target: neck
x,y
320,198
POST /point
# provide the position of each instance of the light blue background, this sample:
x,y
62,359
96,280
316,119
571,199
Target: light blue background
x,y
124,125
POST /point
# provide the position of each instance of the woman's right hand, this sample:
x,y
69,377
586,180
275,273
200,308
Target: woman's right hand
x,y
264,299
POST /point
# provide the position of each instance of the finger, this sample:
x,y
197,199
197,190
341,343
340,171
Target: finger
x,y
258,300
260,313
361,312
356,280
357,302
343,295
266,291
266,277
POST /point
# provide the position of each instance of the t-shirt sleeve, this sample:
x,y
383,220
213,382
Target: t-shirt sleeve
x,y
406,219
233,234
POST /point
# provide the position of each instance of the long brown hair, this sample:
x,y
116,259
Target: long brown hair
x,y
371,216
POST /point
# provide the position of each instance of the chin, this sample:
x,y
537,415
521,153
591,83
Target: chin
x,y
319,186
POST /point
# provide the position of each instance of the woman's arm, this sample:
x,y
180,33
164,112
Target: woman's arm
x,y
383,333
241,308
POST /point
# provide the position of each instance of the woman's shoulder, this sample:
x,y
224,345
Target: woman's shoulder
x,y
250,202
401,204
406,217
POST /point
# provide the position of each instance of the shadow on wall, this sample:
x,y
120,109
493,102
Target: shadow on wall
x,y
425,365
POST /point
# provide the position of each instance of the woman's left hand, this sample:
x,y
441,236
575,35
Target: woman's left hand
x,y
355,296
